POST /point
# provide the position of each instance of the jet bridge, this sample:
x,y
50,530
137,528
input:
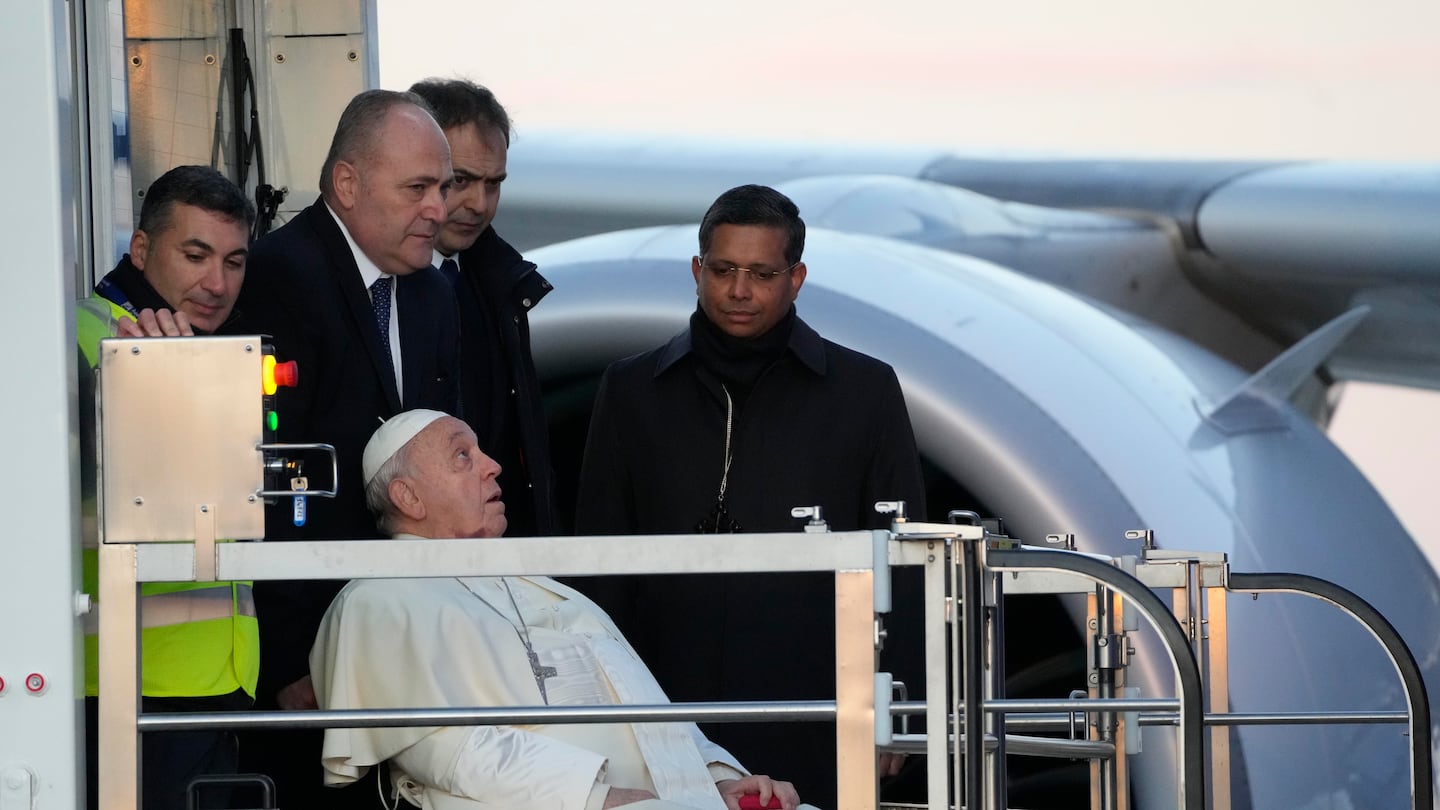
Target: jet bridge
x,y
167,533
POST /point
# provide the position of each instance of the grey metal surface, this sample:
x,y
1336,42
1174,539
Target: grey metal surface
x,y
1421,767
506,556
970,654
1019,744
796,711
1191,758
165,456
39,733
176,56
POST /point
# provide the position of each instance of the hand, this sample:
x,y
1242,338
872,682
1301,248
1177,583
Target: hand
x,y
888,764
619,796
732,789
156,323
298,696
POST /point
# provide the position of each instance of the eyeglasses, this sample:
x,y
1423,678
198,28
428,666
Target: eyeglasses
x,y
761,275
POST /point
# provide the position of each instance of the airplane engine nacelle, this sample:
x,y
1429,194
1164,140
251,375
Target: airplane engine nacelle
x,y
1061,416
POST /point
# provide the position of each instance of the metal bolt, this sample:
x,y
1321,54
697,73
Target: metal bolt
x,y
204,509
249,348
209,58
280,58
352,56
139,501
134,349
251,499
1095,677
135,61
1102,642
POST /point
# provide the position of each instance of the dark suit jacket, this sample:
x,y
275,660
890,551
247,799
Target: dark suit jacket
x,y
303,288
499,388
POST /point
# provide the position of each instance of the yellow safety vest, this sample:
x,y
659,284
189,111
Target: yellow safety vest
x,y
197,639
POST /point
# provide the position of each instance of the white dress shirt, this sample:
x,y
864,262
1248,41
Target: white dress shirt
x,y
369,274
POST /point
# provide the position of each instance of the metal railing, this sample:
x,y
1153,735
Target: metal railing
x,y
972,726
851,556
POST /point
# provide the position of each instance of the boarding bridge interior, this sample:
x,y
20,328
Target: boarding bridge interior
x,y
157,530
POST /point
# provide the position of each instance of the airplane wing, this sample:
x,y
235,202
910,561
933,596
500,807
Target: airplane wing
x,y
1245,258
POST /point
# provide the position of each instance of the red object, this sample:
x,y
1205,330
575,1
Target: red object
x,y
35,683
287,374
751,801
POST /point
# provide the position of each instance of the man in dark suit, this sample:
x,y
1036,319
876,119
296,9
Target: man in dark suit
x,y
495,289
346,289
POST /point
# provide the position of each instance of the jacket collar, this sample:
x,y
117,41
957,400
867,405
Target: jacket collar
x,y
505,272
128,287
805,343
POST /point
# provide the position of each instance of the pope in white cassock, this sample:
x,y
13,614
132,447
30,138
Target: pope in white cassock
x,y
495,641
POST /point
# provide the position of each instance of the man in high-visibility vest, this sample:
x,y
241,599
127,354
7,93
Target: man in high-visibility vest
x,y
200,645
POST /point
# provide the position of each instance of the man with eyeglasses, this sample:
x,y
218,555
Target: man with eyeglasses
x,y
725,428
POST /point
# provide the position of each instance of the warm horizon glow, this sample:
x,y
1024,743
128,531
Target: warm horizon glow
x,y
1333,78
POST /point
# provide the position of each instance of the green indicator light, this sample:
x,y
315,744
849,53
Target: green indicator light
x,y
272,420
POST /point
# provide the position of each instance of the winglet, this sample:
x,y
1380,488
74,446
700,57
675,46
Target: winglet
x,y
1259,401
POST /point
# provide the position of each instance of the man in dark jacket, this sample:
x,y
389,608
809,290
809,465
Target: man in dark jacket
x,y
744,415
495,288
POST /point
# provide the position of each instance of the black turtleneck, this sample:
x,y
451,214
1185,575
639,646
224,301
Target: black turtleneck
x,y
738,362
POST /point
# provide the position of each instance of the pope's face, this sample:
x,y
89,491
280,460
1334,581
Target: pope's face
x,y
456,482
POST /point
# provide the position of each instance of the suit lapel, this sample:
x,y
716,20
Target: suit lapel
x,y
357,299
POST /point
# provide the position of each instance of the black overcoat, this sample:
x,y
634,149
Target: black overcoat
x,y
499,389
823,426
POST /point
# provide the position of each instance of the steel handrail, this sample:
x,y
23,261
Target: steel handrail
x,y
1421,771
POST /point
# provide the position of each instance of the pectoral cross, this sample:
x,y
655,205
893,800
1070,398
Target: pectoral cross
x,y
541,673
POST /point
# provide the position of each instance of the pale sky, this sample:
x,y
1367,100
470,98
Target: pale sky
x,y
1219,79
1252,78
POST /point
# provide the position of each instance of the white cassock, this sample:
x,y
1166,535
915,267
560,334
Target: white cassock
x,y
442,643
